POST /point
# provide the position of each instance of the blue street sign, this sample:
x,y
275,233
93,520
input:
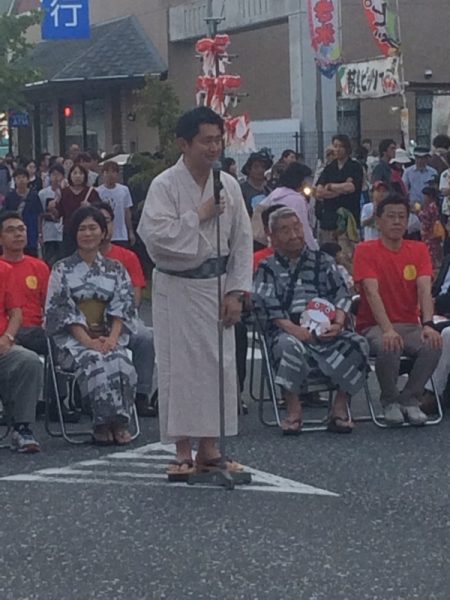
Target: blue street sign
x,y
65,19
18,119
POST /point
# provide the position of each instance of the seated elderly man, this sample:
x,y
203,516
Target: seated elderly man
x,y
284,284
394,277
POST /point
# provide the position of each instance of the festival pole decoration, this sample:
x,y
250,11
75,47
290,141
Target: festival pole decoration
x,y
217,90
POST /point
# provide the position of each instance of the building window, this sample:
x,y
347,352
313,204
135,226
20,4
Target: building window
x,y
83,123
424,116
349,119
95,124
46,128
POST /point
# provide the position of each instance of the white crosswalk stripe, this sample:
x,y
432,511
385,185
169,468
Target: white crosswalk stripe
x,y
146,466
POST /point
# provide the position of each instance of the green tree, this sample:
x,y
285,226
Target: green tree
x,y
160,104
14,72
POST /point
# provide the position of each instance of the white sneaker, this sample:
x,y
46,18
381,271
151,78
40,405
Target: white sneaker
x,y
393,415
414,415
23,441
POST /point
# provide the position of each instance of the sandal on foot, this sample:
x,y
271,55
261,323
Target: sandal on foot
x,y
121,435
212,464
340,425
180,470
292,426
102,436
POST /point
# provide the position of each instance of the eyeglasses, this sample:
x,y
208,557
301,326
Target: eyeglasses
x,y
17,229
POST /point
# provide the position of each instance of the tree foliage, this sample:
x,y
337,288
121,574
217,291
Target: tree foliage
x,y
14,72
160,105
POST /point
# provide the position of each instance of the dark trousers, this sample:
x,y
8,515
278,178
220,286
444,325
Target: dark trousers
x,y
52,252
240,336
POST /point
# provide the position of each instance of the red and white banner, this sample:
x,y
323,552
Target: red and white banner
x,y
325,34
382,23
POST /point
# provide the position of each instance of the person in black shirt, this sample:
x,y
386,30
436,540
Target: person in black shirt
x,y
339,187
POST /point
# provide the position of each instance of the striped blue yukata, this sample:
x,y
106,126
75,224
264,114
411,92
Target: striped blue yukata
x,y
107,381
281,290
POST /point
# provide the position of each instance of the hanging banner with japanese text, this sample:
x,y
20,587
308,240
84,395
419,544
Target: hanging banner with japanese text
x,y
383,25
325,38
370,79
65,19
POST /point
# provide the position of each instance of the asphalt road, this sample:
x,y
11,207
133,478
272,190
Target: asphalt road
x,y
89,523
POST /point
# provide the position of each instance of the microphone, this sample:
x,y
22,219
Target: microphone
x,y
217,167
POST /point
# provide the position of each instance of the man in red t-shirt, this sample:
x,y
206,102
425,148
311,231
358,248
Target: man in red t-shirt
x,y
20,369
396,310
31,276
141,343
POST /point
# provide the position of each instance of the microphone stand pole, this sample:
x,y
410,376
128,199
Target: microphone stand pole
x,y
220,476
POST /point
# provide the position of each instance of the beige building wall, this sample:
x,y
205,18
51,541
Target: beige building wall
x,y
264,68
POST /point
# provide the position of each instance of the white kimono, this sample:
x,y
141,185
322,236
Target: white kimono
x,y
185,311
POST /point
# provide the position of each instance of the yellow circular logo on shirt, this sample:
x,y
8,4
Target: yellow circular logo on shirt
x,y
31,282
410,273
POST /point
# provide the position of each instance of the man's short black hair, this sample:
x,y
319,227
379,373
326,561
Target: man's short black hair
x,y
189,124
6,215
294,175
106,207
287,152
441,141
396,199
384,145
331,248
344,140
57,168
266,214
83,213
21,171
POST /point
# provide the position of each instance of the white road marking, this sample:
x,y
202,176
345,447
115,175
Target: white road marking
x,y
125,468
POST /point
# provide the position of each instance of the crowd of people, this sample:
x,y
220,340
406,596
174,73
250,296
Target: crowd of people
x,y
372,226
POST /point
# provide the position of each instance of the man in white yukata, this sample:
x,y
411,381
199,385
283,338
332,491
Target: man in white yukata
x,y
178,227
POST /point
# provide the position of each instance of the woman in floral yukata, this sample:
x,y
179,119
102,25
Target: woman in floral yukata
x,y
89,313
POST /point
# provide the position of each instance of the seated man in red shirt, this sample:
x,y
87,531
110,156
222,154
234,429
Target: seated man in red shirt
x,y
141,343
394,278
20,369
31,275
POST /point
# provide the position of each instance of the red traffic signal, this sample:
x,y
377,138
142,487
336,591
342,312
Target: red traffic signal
x,y
68,112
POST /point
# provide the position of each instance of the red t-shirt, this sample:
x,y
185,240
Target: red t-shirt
x,y
31,277
397,273
261,255
9,296
131,263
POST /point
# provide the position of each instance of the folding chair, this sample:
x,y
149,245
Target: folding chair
x,y
52,371
4,423
406,365
317,383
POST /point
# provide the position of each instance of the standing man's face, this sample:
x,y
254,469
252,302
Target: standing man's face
x,y
290,158
421,162
390,152
340,150
205,148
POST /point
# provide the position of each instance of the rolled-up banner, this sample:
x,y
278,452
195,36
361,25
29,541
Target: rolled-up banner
x,y
325,34
382,21
370,79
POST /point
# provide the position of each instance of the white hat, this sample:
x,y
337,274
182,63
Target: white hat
x,y
401,156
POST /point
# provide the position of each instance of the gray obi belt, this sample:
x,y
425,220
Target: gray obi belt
x,y
207,270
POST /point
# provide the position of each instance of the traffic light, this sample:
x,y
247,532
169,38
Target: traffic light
x,y
68,112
